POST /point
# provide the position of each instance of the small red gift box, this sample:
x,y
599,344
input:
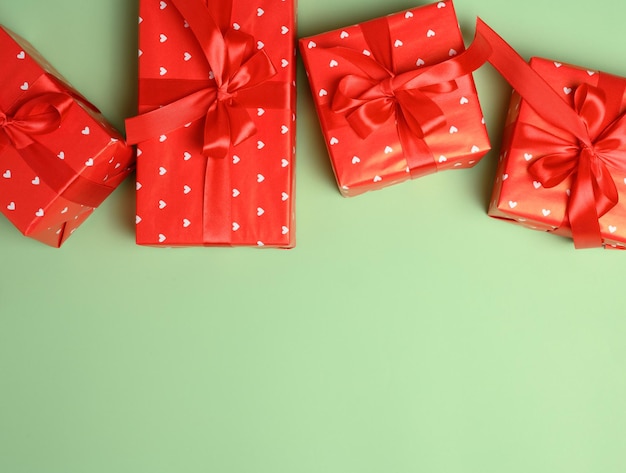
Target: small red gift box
x,y
59,159
395,98
563,163
216,134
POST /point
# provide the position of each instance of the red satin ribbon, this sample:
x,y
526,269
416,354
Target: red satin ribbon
x,y
593,136
42,112
242,76
241,73
375,92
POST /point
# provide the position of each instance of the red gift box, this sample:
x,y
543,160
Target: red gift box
x,y
216,134
395,98
563,163
59,159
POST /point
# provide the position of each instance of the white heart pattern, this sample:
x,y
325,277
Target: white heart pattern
x,y
236,193
24,86
356,160
186,223
430,33
21,55
408,15
89,162
528,156
344,34
260,178
162,171
311,44
39,213
453,129
545,212
11,206
536,184
7,174
162,238
186,190
162,204
86,131
512,204
612,228
259,211
35,181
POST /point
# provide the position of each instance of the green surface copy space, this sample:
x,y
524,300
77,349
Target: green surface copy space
x,y
407,332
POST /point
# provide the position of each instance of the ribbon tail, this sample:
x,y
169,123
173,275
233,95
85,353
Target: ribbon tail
x,y
528,83
217,132
170,117
583,217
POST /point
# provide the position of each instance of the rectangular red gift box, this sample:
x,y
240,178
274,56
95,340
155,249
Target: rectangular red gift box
x,y
519,197
383,116
216,130
59,158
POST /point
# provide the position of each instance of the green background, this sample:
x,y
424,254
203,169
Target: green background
x,y
407,332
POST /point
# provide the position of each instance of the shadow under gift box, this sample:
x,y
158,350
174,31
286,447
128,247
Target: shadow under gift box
x,y
59,158
389,107
216,164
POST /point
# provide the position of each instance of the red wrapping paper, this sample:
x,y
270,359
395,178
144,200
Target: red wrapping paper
x,y
402,43
562,168
59,159
196,185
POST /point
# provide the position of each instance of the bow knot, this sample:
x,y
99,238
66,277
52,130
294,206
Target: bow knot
x,y
223,94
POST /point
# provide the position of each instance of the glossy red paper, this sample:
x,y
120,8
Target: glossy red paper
x,y
223,177
366,157
59,159
520,197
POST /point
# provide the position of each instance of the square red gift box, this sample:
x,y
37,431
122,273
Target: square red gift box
x,y
216,130
396,98
563,163
59,159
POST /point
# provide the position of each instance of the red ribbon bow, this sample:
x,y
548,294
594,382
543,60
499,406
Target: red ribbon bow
x,y
241,81
42,112
593,141
36,116
376,91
